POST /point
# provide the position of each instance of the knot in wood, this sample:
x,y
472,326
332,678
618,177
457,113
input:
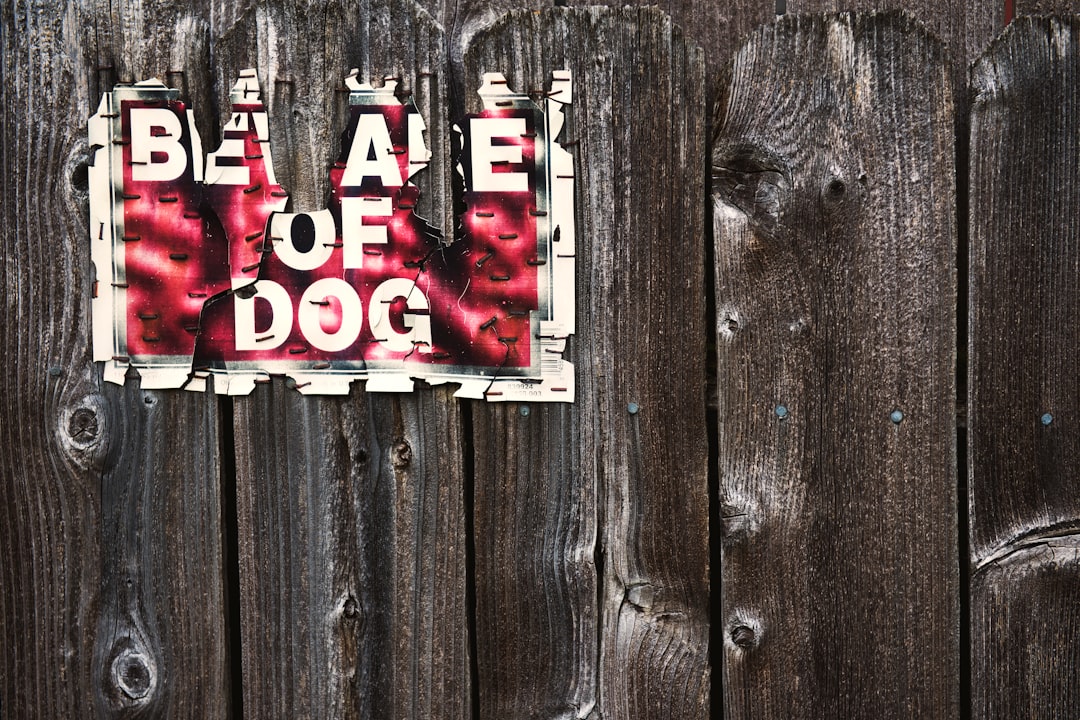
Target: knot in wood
x,y
641,596
351,609
80,177
83,425
402,454
752,180
744,636
729,324
839,194
133,674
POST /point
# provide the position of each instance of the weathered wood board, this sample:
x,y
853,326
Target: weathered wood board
x,y
351,511
1024,380
965,26
591,523
1045,7
718,28
111,575
834,224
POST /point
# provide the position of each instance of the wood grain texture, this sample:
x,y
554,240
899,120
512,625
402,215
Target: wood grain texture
x,y
1024,380
350,510
718,28
162,647
1046,7
111,578
591,521
835,237
462,19
1024,632
352,556
964,26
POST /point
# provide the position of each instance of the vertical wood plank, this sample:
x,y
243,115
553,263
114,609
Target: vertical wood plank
x,y
161,645
716,27
1024,382
111,588
350,510
50,518
591,520
966,26
352,556
835,240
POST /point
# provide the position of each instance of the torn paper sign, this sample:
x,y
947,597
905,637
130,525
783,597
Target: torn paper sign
x,y
202,272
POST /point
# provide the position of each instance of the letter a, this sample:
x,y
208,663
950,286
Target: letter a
x,y
372,137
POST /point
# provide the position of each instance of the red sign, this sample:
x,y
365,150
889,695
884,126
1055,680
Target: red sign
x,y
202,272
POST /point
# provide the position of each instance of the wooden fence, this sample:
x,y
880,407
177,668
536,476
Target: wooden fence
x,y
867,510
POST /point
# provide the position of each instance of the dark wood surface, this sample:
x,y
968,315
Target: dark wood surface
x,y
720,28
351,515
1025,371
111,577
592,519
964,26
1046,7
352,556
167,554
834,225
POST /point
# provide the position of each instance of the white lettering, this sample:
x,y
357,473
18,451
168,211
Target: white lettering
x,y
227,174
355,234
379,312
485,154
262,131
315,302
246,335
418,152
372,137
303,228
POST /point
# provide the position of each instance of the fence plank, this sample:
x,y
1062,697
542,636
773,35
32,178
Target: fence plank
x,y
1024,372
350,510
112,599
591,519
352,567
835,237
